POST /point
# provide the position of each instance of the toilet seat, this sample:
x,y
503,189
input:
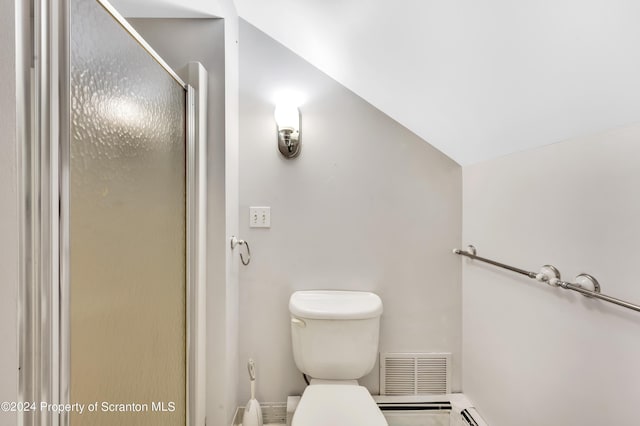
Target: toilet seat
x,y
337,405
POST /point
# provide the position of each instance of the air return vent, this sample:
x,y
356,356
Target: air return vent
x,y
415,373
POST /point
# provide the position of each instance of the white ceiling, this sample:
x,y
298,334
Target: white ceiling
x,y
476,79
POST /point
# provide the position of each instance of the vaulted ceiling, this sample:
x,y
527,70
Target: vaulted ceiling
x,y
476,79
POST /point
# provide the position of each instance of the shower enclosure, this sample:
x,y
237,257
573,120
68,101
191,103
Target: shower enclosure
x,y
113,269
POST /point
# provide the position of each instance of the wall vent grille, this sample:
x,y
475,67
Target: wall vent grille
x,y
415,373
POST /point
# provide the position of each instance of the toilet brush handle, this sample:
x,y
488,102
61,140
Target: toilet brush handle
x,y
251,366
253,389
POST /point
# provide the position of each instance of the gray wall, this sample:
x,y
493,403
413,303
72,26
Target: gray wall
x,y
536,355
367,206
9,225
179,41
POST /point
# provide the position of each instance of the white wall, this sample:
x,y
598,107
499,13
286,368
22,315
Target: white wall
x,y
535,355
367,206
9,224
212,42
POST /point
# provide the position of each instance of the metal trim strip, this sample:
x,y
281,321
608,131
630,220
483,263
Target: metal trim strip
x,y
141,41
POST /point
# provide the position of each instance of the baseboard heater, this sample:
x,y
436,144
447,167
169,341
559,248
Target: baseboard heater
x,y
467,417
459,407
414,406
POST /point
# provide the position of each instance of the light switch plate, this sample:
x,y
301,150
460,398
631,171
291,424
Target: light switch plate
x,y
259,217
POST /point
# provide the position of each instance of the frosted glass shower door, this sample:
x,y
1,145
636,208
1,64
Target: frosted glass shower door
x,y
127,228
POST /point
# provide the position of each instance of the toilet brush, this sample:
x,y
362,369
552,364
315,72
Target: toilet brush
x,y
252,412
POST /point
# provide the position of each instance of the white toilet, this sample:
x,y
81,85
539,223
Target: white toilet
x,y
335,342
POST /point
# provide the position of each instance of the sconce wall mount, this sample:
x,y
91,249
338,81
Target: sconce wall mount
x,y
288,121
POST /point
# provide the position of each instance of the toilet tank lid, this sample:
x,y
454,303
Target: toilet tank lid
x,y
337,305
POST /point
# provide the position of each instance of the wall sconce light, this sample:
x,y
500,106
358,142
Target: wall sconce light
x,y
288,121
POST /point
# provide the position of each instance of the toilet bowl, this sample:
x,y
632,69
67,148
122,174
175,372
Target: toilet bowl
x,y
335,342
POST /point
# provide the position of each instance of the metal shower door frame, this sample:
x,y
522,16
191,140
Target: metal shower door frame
x,y
44,326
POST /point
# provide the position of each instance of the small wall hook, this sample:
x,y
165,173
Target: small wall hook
x,y
237,242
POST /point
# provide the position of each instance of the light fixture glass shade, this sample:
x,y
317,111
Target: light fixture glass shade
x,y
287,117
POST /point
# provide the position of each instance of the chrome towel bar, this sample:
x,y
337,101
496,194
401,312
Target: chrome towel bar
x,y
585,284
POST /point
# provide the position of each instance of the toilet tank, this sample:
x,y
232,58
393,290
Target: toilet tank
x,y
335,333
